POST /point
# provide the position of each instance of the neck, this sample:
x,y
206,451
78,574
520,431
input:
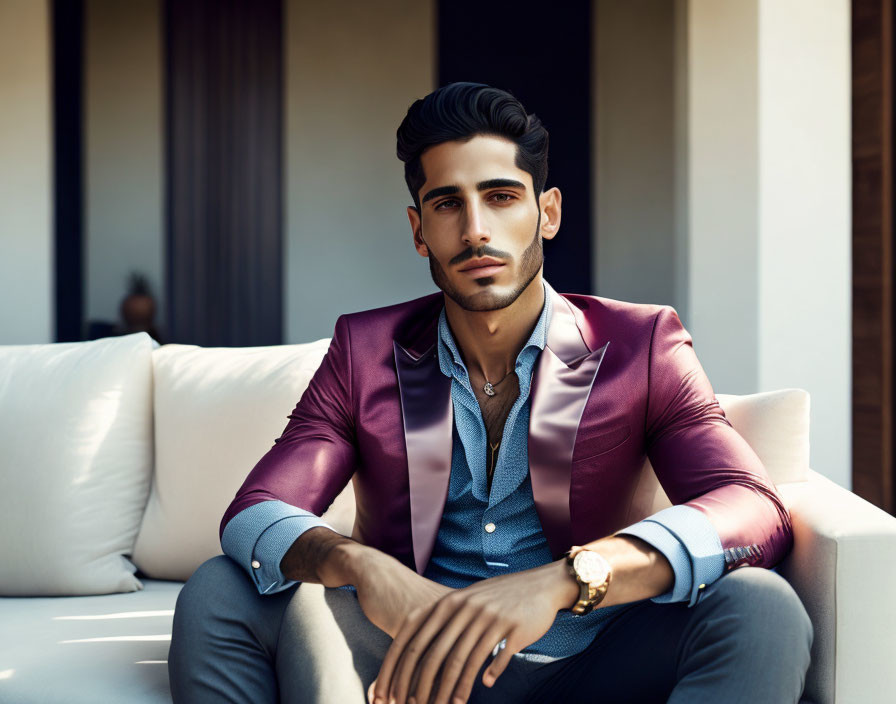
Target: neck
x,y
490,341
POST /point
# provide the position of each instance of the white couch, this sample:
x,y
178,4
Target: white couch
x,y
119,457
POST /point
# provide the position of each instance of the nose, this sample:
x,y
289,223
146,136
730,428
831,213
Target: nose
x,y
475,229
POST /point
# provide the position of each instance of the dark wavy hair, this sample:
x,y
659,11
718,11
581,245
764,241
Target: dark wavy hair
x,y
462,111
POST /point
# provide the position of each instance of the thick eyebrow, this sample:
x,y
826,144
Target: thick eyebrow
x,y
481,186
499,183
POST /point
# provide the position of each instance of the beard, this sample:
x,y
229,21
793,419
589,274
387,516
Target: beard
x,y
531,262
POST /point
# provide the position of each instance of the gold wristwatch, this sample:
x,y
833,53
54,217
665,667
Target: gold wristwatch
x,y
592,571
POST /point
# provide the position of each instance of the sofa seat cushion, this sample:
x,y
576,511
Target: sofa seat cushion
x,y
80,649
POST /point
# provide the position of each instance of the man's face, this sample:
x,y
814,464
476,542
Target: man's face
x,y
476,202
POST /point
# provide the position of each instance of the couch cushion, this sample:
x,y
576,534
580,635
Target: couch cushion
x,y
217,412
76,439
88,649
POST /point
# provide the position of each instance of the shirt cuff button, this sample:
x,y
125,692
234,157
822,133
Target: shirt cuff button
x,y
256,564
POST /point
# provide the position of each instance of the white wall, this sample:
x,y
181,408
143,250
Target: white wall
x,y
805,216
352,71
722,191
26,187
769,199
123,214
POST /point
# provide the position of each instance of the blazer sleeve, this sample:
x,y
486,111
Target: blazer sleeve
x,y
701,461
316,455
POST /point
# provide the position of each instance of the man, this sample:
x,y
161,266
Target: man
x,y
495,433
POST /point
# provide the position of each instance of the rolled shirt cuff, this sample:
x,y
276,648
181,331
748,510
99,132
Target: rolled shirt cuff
x,y
259,536
691,544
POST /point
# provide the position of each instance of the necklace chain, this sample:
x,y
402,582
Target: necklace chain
x,y
491,469
489,387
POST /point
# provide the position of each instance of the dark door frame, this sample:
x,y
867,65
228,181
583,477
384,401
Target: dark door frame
x,y
67,27
873,426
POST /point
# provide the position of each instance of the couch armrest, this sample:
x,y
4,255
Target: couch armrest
x,y
843,566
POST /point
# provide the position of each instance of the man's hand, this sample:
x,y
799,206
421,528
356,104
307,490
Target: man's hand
x,y
452,638
388,591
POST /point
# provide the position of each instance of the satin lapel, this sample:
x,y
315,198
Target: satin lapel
x,y
561,386
428,416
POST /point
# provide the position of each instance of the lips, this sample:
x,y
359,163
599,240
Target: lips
x,y
483,263
480,271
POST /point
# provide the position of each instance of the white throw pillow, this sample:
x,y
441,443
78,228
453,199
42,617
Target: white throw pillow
x,y
218,410
75,464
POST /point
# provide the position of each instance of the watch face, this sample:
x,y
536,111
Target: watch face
x,y
590,567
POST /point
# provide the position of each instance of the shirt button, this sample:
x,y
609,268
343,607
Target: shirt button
x,y
490,527
256,564
702,586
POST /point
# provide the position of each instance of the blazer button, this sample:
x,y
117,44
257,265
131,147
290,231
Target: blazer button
x,y
256,564
490,527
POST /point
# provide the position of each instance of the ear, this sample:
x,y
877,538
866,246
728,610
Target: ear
x,y
414,219
549,202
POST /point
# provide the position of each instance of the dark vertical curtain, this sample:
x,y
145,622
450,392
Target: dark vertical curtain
x,y
224,91
544,59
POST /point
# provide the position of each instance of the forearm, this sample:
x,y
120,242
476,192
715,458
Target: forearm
x,y
640,571
322,556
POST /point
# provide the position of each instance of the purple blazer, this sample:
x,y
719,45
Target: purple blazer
x,y
615,382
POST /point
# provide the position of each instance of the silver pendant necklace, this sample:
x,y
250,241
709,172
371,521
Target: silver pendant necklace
x,y
489,387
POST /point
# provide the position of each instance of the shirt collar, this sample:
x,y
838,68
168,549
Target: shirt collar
x,y
449,356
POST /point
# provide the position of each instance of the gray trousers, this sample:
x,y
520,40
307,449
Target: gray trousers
x,y
747,640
